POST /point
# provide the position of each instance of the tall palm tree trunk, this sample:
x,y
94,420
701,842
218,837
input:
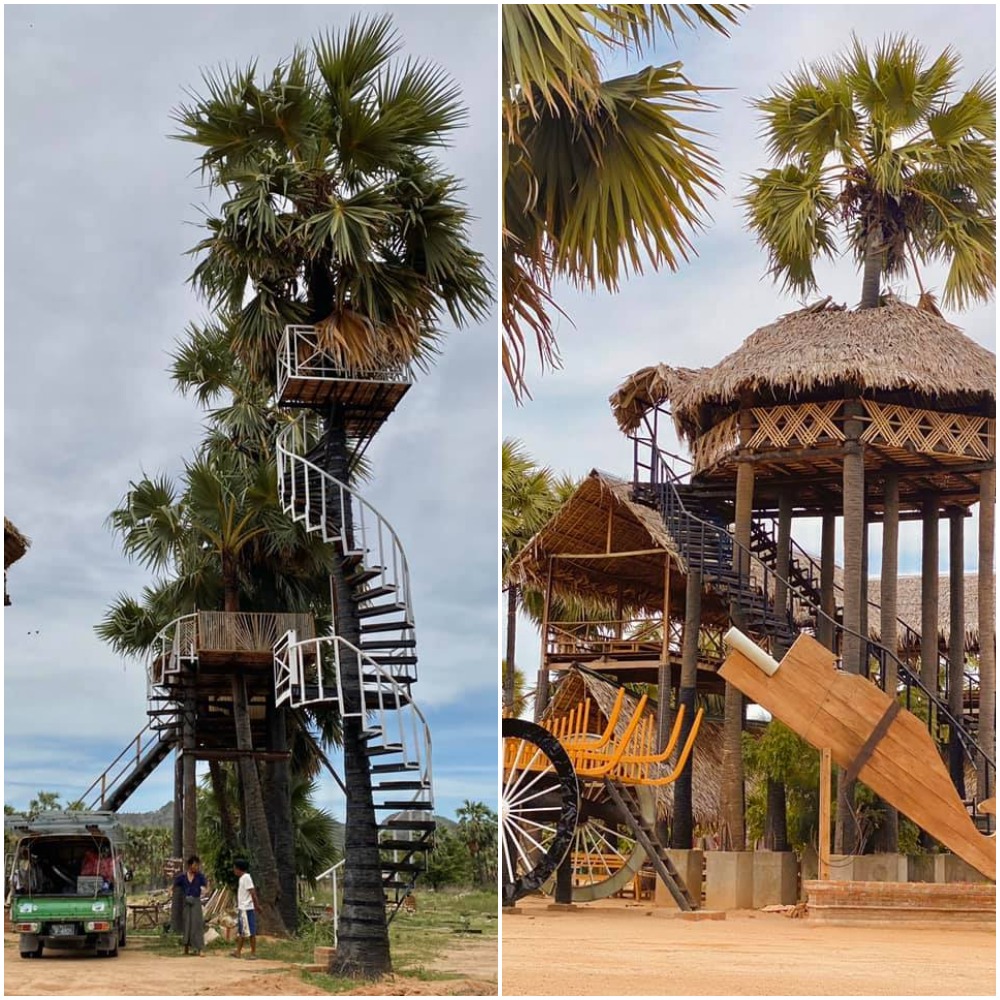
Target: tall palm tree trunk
x,y
956,643
256,831
220,792
871,280
509,673
363,935
987,735
279,809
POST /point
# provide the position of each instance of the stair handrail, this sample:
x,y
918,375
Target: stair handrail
x,y
400,576
140,747
670,480
802,555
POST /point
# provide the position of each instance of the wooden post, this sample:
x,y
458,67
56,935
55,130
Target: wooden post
x,y
956,641
177,842
828,563
542,688
188,741
682,828
929,622
888,627
825,796
987,629
664,716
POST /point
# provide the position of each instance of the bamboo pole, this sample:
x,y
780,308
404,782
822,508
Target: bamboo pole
x,y
542,688
825,796
664,716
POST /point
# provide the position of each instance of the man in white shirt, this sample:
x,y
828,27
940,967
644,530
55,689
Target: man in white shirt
x,y
246,909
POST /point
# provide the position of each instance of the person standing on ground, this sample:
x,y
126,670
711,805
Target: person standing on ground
x,y
192,883
246,910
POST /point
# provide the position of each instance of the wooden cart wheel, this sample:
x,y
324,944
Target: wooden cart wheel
x,y
606,857
538,807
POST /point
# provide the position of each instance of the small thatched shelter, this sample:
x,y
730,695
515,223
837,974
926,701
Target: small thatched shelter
x,y
578,684
15,545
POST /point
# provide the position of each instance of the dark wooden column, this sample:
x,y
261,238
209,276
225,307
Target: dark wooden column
x,y
956,640
664,717
852,646
177,841
733,806
682,831
929,618
188,722
888,627
542,688
828,564
987,630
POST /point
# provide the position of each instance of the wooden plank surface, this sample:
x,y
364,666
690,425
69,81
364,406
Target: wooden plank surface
x,y
838,711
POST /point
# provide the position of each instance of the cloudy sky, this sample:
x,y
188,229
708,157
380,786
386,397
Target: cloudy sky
x,y
100,209
704,311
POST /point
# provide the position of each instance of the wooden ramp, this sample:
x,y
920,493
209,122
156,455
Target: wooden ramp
x,y
886,747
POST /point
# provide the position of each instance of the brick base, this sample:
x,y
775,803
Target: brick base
x,y
911,901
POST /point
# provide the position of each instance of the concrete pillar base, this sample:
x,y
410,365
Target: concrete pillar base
x,y
729,880
775,878
869,868
689,867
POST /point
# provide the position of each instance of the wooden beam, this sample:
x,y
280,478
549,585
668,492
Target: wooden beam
x,y
608,555
825,800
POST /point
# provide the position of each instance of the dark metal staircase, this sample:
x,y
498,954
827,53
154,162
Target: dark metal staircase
x,y
700,527
113,786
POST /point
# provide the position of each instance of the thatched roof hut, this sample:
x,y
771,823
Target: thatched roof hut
x,y
825,351
15,545
908,608
579,683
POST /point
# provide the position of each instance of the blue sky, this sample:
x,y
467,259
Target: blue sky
x,y
701,313
100,207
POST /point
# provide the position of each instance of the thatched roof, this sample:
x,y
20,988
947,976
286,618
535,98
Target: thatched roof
x,y
826,349
578,684
908,607
14,543
646,389
580,527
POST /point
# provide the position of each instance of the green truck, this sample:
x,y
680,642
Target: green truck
x,y
67,882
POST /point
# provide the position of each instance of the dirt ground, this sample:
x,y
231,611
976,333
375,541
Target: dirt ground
x,y
624,949
138,972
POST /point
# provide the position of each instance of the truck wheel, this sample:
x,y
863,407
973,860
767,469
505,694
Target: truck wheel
x,y
37,953
122,941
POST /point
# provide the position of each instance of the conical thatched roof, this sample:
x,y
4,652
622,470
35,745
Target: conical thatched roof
x,y
578,684
646,389
14,543
824,349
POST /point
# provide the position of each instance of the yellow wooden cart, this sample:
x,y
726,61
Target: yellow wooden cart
x,y
584,799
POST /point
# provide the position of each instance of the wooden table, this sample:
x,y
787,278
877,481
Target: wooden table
x,y
145,915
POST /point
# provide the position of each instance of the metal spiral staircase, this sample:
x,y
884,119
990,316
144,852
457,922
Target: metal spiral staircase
x,y
325,670
748,585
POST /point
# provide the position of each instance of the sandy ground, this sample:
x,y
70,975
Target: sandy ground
x,y
623,949
137,972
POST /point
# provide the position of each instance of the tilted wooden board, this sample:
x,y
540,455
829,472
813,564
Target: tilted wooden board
x,y
838,711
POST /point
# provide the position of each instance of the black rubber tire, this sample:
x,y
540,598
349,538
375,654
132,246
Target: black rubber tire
x,y
123,937
520,878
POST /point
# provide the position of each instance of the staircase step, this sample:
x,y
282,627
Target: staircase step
x,y
408,824
406,806
390,768
395,659
383,749
387,786
403,866
404,680
376,610
364,575
399,625
390,844
388,644
372,593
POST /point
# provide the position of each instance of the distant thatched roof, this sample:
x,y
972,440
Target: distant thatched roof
x,y
14,543
580,527
578,684
824,348
908,607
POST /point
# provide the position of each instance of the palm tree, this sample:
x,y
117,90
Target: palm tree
x,y
527,502
877,147
477,827
336,214
600,177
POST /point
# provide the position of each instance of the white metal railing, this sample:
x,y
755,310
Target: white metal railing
x,y
332,874
300,356
173,644
326,505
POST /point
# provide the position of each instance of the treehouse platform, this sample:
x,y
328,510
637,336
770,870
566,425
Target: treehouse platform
x,y
310,376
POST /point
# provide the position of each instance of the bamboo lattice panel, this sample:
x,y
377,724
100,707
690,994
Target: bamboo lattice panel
x,y
930,432
718,443
801,425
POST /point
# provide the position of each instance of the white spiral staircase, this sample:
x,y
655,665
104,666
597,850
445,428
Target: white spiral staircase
x,y
316,672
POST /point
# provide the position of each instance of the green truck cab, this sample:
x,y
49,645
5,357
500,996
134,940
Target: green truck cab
x,y
67,882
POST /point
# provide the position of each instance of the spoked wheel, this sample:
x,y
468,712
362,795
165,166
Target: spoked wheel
x,y
538,807
605,856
